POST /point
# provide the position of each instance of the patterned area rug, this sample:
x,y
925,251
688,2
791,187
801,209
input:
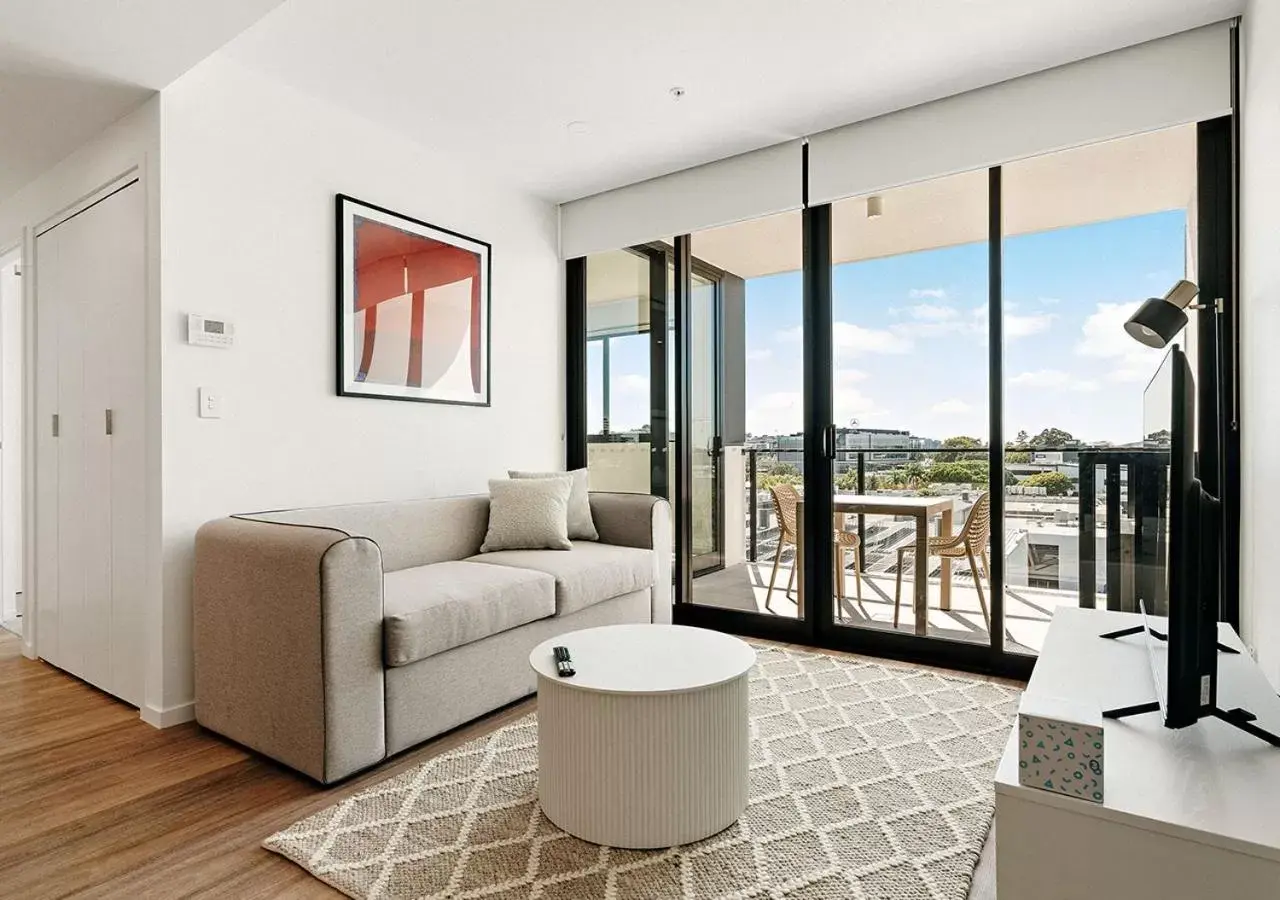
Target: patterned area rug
x,y
868,780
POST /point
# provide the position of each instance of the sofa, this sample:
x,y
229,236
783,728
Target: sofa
x,y
329,639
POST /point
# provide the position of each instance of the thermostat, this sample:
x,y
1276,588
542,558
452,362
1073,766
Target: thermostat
x,y
206,332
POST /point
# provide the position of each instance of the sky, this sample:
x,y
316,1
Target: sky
x,y
910,336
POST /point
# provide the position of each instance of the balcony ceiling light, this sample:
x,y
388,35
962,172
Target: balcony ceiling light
x,y
875,207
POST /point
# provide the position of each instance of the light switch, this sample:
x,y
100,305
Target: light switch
x,y
210,403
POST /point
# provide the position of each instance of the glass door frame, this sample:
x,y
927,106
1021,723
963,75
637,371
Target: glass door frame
x,y
1218,422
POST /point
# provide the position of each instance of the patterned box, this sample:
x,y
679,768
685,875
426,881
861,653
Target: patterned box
x,y
1060,746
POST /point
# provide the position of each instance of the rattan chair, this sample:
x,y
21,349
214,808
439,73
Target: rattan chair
x,y
786,498
971,542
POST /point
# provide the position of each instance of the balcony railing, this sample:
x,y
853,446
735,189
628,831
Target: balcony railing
x,y
1064,537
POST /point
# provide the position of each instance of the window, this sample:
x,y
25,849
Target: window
x,y
618,401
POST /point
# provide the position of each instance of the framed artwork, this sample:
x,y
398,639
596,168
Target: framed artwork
x,y
413,309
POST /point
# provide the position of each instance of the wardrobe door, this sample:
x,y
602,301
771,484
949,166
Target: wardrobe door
x,y
125,345
92,292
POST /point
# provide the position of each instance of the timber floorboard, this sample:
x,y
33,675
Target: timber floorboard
x,y
96,803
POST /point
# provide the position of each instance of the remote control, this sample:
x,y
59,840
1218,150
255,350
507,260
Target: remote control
x,y
564,665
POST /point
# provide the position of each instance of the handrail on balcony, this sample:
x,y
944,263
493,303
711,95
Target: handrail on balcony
x,y
1146,503
1135,507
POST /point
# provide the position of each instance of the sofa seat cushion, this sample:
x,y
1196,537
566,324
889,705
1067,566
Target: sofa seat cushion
x,y
429,609
590,573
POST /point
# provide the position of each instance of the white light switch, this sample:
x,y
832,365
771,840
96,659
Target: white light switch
x,y
210,403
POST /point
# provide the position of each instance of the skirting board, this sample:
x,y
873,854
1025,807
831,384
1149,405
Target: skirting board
x,y
167,718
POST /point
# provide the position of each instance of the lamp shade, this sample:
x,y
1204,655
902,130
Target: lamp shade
x,y
1160,319
1156,323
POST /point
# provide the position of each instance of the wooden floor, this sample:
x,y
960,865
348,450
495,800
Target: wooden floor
x,y
96,803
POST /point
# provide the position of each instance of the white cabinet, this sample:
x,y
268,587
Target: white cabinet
x,y
90,473
1188,813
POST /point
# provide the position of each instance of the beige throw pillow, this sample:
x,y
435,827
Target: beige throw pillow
x,y
581,526
528,514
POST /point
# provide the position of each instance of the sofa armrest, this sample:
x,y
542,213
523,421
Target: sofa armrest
x,y
639,520
288,643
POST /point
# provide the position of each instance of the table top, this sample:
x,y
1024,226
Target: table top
x,y
890,503
646,659
1208,782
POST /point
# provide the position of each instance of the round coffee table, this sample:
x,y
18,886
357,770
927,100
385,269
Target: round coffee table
x,y
646,746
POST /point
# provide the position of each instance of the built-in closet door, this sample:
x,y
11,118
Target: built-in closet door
x,y
90,479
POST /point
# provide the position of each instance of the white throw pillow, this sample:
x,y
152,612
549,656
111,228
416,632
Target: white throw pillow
x,y
581,526
528,514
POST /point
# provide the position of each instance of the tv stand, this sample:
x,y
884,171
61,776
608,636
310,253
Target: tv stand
x,y
1238,718
1158,635
1187,812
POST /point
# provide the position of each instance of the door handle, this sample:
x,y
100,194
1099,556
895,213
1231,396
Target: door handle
x,y
829,442
110,417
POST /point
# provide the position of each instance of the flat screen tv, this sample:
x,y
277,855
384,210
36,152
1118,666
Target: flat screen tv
x,y
1192,563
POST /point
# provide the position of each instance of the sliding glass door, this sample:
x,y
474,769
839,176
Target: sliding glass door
x,y
705,439
909,422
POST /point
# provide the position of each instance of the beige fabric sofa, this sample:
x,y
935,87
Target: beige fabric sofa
x,y
329,639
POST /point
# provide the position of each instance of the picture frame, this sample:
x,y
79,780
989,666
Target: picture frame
x,y
413,308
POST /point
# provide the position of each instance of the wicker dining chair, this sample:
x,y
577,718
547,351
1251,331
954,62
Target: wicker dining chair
x,y
971,542
786,498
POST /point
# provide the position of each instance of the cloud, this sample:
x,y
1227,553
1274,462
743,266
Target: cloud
x,y
930,293
631,384
1053,379
954,406
782,412
1103,338
777,412
760,354
1048,301
1024,326
929,312
940,321
852,340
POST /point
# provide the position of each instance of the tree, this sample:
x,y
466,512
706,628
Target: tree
x,y
960,442
1055,484
1017,456
971,472
779,473
1052,437
913,474
1022,438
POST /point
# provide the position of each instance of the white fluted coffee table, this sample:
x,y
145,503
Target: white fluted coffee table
x,y
646,746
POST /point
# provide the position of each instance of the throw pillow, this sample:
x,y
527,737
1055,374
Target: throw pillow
x,y
581,526
528,514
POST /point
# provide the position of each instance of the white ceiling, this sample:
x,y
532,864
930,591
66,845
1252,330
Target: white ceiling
x,y
499,80
69,68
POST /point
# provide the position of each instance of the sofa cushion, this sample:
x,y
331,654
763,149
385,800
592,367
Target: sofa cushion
x,y
430,609
589,573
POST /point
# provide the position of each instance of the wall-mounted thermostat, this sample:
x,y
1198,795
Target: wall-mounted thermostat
x,y
206,332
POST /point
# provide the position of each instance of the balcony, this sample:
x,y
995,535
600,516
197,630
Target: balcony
x,y
1080,548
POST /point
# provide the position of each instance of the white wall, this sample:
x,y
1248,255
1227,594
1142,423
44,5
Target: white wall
x,y
250,170
1259,328
131,145
11,431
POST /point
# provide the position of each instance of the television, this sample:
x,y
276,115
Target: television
x,y
1192,562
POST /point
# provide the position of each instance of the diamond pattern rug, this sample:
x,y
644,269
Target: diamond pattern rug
x,y
868,780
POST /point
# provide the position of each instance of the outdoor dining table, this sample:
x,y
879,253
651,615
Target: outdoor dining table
x,y
922,509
